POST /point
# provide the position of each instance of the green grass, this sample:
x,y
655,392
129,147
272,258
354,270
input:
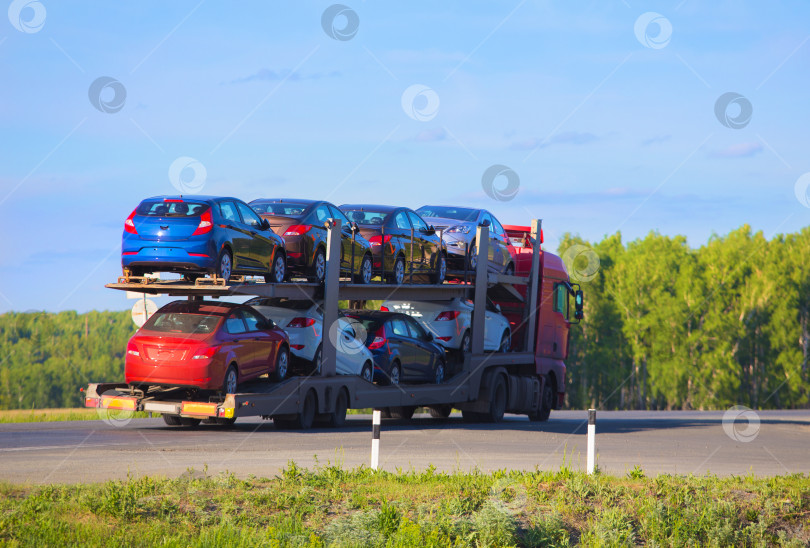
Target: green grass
x,y
67,414
330,506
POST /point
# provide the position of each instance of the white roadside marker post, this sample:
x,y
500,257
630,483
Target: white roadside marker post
x,y
375,439
591,441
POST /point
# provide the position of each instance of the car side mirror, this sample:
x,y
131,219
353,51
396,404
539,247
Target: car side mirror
x,y
578,305
498,307
265,225
429,336
485,223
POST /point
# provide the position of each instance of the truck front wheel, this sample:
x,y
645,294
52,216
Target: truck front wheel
x,y
546,403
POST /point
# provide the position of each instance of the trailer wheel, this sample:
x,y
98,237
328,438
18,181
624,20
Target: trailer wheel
x,y
337,418
307,415
440,411
402,413
171,420
282,364
497,403
546,404
227,423
189,422
472,416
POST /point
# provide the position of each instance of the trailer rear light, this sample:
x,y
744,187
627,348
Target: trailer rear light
x,y
91,402
132,349
298,230
129,224
301,322
205,353
297,346
384,309
379,340
206,223
379,239
447,315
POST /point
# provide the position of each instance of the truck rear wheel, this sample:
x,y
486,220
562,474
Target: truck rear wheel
x,y
337,418
171,420
497,403
402,413
440,411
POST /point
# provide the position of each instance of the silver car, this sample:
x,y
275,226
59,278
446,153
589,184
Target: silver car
x,y
458,228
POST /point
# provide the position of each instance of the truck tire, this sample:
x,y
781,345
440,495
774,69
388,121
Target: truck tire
x,y
225,423
189,422
440,411
402,413
472,416
497,402
337,418
171,420
307,415
546,403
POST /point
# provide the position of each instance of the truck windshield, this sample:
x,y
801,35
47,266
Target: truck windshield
x,y
174,208
180,322
457,213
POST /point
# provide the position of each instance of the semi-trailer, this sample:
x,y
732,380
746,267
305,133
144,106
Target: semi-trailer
x,y
529,379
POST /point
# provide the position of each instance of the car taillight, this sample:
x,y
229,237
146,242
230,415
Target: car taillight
x,y
384,309
297,346
129,224
379,339
132,349
445,339
205,353
301,322
447,315
205,223
298,230
379,239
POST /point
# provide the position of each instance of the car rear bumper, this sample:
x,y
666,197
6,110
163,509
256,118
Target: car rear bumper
x,y
169,258
202,376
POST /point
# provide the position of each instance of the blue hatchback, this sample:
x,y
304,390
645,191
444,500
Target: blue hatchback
x,y
201,235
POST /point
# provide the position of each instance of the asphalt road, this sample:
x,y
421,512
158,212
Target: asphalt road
x,y
659,442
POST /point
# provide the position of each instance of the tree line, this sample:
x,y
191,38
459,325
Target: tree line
x,y
666,327
670,327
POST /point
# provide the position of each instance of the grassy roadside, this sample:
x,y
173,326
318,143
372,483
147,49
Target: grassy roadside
x,y
331,506
53,415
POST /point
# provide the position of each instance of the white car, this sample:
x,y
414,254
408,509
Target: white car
x,y
450,321
302,320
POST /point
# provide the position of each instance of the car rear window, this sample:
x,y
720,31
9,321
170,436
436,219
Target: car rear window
x,y
288,209
371,326
182,322
366,217
159,208
457,213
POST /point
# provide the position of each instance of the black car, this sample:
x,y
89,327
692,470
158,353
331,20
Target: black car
x,y
301,224
403,351
402,243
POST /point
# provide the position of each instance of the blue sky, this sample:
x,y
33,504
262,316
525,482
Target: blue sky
x,y
607,128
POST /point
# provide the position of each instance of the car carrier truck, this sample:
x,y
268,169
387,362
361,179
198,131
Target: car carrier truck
x,y
529,379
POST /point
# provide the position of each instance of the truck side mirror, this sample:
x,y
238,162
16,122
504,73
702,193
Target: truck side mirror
x,y
578,303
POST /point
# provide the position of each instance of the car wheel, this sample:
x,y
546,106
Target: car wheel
x,y
171,420
441,270
440,411
231,380
317,361
367,372
394,374
225,265
466,342
438,376
472,258
364,277
278,271
337,418
510,270
319,266
282,364
398,276
497,404
506,342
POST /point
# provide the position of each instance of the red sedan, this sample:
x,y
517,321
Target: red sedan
x,y
206,345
